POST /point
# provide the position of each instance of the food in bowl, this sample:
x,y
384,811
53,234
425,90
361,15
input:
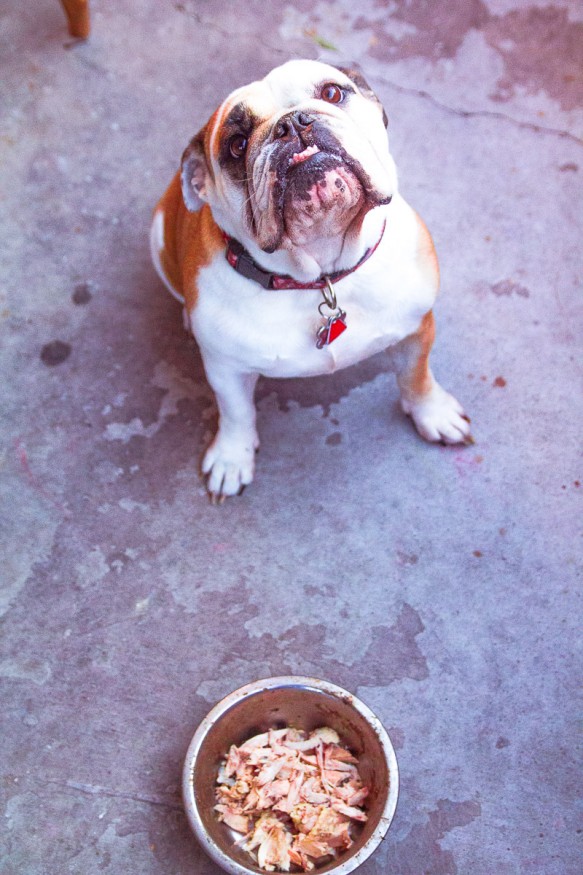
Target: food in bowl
x,y
295,797
304,703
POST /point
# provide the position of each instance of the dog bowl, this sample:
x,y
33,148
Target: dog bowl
x,y
306,704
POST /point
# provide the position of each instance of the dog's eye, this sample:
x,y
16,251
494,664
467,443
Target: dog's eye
x,y
237,146
332,93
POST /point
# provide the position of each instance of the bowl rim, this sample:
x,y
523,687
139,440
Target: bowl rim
x,y
261,685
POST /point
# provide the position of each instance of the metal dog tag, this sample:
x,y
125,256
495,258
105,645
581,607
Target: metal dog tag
x,y
332,328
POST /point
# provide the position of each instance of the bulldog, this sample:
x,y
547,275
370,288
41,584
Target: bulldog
x,y
286,240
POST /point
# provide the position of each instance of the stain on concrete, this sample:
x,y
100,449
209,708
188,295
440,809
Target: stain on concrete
x,y
420,851
175,388
36,670
406,559
334,439
326,589
542,51
323,391
81,294
106,473
55,353
506,288
392,654
30,527
424,29
397,736
92,568
541,48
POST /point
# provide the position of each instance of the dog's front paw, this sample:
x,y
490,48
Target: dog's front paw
x,y
230,466
439,417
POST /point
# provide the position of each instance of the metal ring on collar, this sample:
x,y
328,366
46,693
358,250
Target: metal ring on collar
x,y
329,294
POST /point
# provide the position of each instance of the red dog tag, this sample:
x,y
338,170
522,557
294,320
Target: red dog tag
x,y
332,328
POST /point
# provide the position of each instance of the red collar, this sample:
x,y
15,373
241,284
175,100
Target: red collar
x,y
243,263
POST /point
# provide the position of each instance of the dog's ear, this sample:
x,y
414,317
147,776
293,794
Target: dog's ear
x,y
194,172
356,76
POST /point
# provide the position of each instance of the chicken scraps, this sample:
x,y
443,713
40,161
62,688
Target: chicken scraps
x,y
294,796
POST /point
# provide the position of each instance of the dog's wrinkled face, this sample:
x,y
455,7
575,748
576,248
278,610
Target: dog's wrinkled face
x,y
297,157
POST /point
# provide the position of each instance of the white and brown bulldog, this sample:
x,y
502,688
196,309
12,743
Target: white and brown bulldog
x,y
286,239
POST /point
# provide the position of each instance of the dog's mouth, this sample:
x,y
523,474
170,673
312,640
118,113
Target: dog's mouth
x,y
318,188
322,195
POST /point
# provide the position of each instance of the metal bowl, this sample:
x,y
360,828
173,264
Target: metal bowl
x,y
304,703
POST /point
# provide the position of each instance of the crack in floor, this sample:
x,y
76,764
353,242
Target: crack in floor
x,y
98,790
480,113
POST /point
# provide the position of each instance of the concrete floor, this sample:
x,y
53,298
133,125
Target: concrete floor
x,y
437,584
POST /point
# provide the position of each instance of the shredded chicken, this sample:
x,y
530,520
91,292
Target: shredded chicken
x,y
293,796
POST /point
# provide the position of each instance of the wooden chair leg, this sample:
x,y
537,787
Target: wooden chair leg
x,y
78,17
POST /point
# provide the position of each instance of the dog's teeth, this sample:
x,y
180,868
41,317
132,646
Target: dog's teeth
x,y
301,156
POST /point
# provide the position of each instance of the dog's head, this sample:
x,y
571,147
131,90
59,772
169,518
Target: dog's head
x,y
294,158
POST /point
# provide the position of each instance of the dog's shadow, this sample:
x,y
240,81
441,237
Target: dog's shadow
x,y
323,391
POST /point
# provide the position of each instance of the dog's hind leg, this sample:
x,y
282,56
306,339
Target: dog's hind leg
x,y
437,415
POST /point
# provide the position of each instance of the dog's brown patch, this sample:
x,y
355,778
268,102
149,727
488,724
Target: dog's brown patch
x,y
191,241
426,254
414,376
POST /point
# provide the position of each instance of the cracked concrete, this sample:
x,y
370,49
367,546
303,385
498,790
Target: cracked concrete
x,y
440,585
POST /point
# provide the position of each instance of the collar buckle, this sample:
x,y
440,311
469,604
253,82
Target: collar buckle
x,y
244,264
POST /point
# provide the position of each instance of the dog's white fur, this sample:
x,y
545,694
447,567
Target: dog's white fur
x,y
244,331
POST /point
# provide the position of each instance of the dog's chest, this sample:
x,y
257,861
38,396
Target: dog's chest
x,y
275,332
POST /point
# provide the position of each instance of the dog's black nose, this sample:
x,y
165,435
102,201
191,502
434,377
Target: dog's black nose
x,y
292,124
